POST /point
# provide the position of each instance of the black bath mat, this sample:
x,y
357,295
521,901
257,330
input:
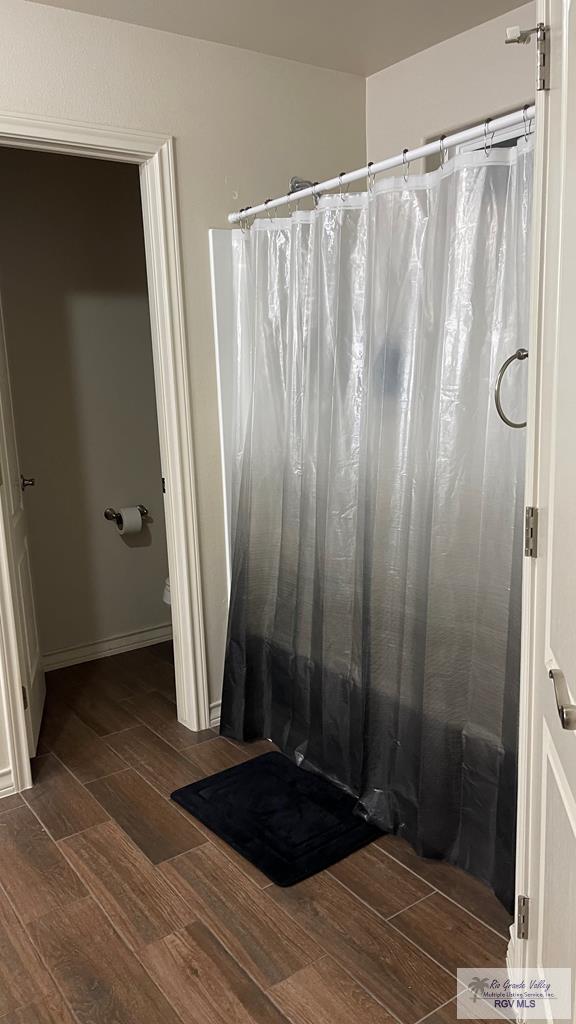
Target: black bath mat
x,y
288,822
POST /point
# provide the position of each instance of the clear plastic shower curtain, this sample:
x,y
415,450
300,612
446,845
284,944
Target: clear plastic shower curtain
x,y
374,629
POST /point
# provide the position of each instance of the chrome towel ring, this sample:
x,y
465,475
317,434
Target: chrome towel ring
x,y
520,354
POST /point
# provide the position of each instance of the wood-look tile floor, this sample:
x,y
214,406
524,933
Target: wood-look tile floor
x,y
115,906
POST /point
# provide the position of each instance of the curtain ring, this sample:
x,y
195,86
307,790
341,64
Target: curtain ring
x,y
488,145
405,165
370,177
315,195
245,224
342,192
527,123
443,154
268,214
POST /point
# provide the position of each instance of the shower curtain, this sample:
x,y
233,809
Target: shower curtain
x,y
377,500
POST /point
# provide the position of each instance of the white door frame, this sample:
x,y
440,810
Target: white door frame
x,y
155,156
543,755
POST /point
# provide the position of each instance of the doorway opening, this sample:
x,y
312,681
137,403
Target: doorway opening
x,y
87,356
81,378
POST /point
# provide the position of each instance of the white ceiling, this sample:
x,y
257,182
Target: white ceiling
x,y
360,36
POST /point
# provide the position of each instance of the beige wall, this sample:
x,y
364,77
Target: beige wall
x,y
242,122
452,85
73,287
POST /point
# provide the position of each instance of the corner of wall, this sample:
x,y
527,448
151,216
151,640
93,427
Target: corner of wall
x,y
458,82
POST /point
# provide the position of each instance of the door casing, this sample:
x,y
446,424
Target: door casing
x,y
544,748
154,155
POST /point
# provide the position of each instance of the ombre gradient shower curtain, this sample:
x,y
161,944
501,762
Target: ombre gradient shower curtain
x,y
374,629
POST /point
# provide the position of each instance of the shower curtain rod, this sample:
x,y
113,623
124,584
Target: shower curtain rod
x,y
486,129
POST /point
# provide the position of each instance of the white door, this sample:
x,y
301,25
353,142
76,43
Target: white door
x,y
13,498
547,800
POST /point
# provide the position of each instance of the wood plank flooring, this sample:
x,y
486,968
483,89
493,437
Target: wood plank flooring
x,y
155,825
115,905
23,978
34,874
267,942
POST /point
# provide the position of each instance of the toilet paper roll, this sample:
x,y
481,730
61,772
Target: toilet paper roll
x,y
130,520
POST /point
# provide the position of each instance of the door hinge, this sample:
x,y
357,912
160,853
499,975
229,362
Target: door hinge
x,y
543,58
25,698
531,532
524,35
523,917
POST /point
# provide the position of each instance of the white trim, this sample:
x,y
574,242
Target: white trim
x,y
76,138
219,314
7,787
172,377
11,678
106,648
514,951
154,154
515,961
520,950
215,714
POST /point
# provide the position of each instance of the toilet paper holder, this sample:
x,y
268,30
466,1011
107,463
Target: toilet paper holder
x,y
115,517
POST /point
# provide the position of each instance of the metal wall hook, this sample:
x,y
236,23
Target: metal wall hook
x,y
520,354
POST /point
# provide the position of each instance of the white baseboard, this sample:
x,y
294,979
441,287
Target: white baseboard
x,y
6,783
215,714
106,648
515,960
515,950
